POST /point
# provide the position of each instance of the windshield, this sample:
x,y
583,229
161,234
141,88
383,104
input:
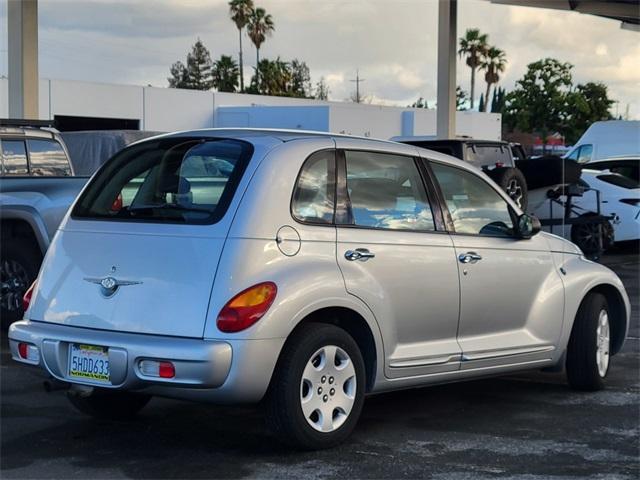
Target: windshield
x,y
175,180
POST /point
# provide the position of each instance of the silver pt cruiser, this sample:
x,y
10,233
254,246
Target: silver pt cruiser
x,y
305,271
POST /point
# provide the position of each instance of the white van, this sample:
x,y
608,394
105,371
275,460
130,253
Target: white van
x,y
608,139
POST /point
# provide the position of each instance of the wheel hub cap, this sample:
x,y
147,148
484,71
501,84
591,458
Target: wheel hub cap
x,y
328,388
602,342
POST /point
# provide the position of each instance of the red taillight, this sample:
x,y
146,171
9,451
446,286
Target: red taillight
x,y
499,164
166,370
247,307
26,298
23,350
117,204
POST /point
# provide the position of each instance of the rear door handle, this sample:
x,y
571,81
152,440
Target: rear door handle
x,y
469,257
361,254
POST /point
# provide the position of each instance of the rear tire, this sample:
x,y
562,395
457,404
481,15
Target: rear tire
x,y
107,404
589,345
585,235
314,402
19,264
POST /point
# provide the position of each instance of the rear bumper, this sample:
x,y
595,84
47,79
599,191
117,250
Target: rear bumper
x,y
221,371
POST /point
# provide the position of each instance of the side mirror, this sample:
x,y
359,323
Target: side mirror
x,y
527,226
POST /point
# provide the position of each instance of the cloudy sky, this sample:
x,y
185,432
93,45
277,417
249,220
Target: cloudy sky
x,y
391,42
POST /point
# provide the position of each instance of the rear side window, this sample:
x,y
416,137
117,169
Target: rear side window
x,y
47,158
314,194
167,180
14,157
386,191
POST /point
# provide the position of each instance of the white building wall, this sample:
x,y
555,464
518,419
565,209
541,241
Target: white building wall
x,y
365,120
164,109
170,109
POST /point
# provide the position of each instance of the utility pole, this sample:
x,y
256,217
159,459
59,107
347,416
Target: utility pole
x,y
357,82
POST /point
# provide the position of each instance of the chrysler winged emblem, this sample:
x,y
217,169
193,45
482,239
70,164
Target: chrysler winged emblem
x,y
109,285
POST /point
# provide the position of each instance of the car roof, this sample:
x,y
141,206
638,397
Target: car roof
x,y
630,158
284,135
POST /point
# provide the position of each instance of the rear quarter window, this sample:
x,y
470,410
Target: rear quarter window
x,y
47,158
14,158
173,180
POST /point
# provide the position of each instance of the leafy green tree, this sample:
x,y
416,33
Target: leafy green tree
x,y
538,104
240,11
322,90
300,79
260,27
197,73
586,104
473,46
225,74
494,62
461,98
178,78
498,101
420,103
272,77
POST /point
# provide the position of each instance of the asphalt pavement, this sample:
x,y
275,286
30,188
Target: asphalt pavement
x,y
526,426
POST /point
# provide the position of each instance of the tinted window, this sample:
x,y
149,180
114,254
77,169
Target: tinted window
x,y
386,191
167,180
47,158
14,158
475,207
488,155
313,197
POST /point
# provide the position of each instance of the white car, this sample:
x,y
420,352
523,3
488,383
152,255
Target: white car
x,y
620,198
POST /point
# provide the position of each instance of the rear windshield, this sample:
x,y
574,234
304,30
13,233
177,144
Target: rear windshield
x,y
174,180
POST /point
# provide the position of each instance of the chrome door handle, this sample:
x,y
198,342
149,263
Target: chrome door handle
x,y
469,257
361,254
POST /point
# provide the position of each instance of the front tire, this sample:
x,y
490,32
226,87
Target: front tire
x,y
108,404
589,345
317,391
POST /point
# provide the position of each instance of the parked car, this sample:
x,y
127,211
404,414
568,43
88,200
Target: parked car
x,y
620,199
495,158
37,186
306,270
611,138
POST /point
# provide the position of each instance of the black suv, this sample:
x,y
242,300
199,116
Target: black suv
x,y
496,158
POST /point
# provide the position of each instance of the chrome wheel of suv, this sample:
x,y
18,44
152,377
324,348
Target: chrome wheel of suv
x,y
328,388
14,281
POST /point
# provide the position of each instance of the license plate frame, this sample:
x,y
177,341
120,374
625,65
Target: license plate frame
x,y
91,363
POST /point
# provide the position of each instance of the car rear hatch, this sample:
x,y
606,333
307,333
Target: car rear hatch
x,y
141,247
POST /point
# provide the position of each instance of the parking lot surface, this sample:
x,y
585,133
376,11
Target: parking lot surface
x,y
526,426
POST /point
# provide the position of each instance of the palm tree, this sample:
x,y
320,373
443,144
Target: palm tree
x,y
240,11
473,45
493,62
260,26
225,74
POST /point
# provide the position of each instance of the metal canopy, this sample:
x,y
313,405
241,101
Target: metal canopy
x,y
625,11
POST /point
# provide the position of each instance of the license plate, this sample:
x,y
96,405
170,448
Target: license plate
x,y
89,362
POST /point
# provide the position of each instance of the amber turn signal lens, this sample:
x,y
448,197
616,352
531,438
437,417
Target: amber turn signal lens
x,y
247,307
